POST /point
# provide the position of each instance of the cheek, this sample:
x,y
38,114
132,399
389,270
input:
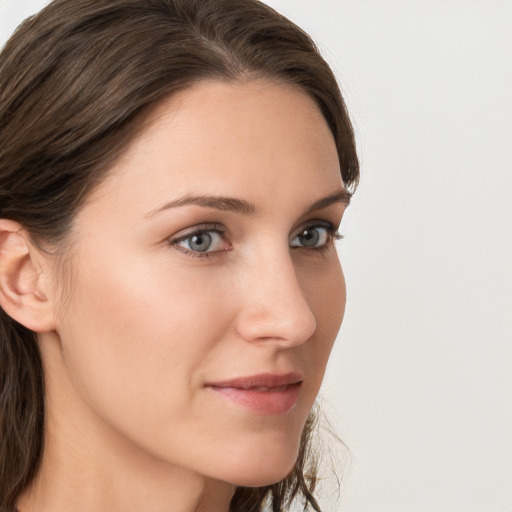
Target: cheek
x,y
135,337
326,294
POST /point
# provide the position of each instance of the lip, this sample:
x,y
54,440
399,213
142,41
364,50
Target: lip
x,y
266,393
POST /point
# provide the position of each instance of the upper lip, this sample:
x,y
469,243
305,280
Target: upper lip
x,y
262,380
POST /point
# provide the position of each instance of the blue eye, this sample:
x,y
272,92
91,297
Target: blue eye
x,y
207,240
203,241
313,237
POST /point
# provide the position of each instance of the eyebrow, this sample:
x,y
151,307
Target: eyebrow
x,y
243,207
229,204
340,196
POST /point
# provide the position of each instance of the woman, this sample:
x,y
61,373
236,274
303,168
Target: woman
x,y
172,175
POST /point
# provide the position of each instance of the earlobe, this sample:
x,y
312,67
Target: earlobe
x,y
22,293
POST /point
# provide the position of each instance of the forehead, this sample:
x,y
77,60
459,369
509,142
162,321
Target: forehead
x,y
230,139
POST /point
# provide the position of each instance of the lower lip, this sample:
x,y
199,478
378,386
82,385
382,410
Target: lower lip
x,y
271,402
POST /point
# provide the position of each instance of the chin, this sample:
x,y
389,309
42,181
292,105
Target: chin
x,y
262,467
261,478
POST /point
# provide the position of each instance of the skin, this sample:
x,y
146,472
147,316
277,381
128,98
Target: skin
x,y
146,322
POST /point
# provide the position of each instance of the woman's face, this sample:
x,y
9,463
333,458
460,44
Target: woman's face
x,y
206,289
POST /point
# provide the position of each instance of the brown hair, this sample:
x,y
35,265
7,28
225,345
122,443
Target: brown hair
x,y
76,82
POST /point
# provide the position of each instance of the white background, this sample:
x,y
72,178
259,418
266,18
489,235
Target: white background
x,y
420,383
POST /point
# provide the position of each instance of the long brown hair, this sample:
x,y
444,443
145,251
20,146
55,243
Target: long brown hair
x,y
76,82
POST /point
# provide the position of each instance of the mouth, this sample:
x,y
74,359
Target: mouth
x,y
265,394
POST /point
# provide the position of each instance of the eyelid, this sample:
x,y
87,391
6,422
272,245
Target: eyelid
x,y
314,223
199,228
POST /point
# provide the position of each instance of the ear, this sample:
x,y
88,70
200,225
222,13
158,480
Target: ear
x,y
23,281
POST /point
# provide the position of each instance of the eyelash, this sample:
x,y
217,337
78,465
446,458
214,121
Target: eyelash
x,y
331,232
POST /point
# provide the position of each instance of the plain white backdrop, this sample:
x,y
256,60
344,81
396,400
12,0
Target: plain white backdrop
x,y
420,382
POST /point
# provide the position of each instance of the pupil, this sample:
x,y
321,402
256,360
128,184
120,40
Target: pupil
x,y
200,242
310,237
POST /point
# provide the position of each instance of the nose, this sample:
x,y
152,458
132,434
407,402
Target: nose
x,y
273,307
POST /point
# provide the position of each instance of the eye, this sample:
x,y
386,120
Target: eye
x,y
200,241
314,237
